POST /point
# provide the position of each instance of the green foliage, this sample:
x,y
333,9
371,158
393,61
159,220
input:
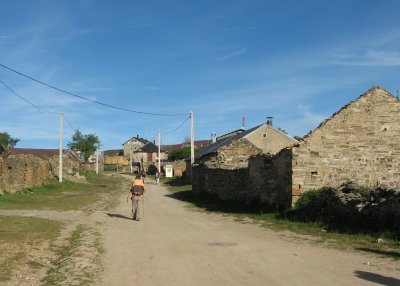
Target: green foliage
x,y
6,143
337,214
86,143
179,154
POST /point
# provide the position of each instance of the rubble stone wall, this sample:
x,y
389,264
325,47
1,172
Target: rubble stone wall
x,y
269,179
244,173
360,143
23,171
18,172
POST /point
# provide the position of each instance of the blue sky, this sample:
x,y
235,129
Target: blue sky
x,y
298,61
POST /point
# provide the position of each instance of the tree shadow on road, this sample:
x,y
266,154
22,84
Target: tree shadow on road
x,y
377,278
118,216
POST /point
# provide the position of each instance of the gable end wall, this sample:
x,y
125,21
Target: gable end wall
x,y
361,143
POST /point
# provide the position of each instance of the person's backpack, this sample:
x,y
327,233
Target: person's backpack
x,y
137,190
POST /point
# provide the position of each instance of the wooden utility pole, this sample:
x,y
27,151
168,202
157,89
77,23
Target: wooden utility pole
x,y
130,148
159,151
97,161
60,162
191,138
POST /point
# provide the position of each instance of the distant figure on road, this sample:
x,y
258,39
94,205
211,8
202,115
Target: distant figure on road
x,y
157,176
143,175
136,194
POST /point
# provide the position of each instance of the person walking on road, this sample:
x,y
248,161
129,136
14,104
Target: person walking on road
x,y
136,194
157,176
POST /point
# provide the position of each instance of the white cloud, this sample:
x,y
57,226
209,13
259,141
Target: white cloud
x,y
367,58
232,55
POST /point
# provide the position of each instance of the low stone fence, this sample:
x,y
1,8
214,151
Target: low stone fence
x,y
23,171
18,172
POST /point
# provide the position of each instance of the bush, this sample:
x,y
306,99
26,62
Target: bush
x,y
361,210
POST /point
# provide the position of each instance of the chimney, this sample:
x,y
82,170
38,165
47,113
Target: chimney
x,y
243,122
269,120
213,137
137,135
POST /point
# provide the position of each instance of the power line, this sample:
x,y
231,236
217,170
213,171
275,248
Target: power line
x,y
34,105
180,125
87,99
69,124
27,101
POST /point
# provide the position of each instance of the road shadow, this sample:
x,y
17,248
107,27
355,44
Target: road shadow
x,y
118,216
393,254
376,278
212,203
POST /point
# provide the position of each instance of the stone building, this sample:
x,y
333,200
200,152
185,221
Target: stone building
x,y
359,143
142,152
229,167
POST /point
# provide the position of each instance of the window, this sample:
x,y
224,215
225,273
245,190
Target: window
x,y
264,135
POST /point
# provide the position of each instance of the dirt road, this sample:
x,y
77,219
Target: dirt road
x,y
174,245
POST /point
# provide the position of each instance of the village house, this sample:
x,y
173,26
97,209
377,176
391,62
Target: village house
x,y
233,167
142,152
359,143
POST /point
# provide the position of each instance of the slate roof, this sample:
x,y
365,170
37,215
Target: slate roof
x,y
144,141
150,147
31,151
223,142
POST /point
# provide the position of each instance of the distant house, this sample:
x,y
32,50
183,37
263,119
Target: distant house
x,y
359,143
142,152
228,169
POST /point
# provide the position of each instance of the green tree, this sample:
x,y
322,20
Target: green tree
x,y
6,143
179,154
86,143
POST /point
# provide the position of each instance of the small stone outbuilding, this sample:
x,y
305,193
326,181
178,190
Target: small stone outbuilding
x,y
235,167
359,143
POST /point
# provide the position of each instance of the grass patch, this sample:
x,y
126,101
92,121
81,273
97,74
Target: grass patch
x,y
9,264
22,233
274,221
176,184
35,265
55,275
61,196
27,229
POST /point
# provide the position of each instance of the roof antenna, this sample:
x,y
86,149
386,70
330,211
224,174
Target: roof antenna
x,y
243,122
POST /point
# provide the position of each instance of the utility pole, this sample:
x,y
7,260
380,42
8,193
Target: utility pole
x,y
97,161
191,138
130,146
60,162
159,151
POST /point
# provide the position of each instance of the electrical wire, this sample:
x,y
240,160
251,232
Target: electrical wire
x,y
24,99
41,109
68,123
180,125
87,99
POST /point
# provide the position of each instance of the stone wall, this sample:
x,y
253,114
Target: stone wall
x,y
18,172
23,171
269,179
224,183
260,178
233,156
360,143
114,160
179,168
